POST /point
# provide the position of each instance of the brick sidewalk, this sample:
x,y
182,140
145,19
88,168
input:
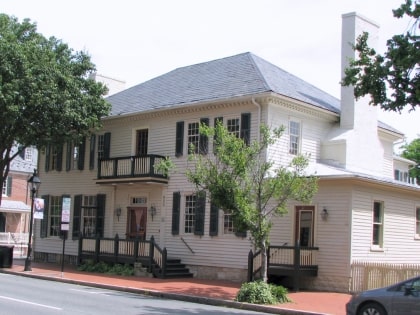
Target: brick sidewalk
x,y
191,289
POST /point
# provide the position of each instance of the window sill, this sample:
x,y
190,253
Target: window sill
x,y
376,249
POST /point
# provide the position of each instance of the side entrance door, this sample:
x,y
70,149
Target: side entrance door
x,y
304,225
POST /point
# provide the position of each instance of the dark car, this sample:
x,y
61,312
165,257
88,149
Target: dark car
x,y
399,299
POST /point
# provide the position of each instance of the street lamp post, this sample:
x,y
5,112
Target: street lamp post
x,y
34,183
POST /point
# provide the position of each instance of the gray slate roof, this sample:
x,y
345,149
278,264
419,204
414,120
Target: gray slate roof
x,y
235,76
241,75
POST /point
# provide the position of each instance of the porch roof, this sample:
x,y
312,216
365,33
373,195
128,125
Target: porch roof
x,y
14,206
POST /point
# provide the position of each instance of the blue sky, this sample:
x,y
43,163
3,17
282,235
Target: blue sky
x,y
135,40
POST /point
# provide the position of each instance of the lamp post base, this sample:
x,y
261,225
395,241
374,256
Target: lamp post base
x,y
27,265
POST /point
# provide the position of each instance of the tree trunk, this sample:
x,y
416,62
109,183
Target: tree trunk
x,y
264,263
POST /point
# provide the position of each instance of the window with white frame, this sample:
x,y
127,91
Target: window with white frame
x,y
89,216
194,136
28,154
189,216
54,215
233,126
101,146
418,221
228,227
5,187
378,224
294,137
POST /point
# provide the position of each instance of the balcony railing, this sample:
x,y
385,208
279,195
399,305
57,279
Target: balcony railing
x,y
132,167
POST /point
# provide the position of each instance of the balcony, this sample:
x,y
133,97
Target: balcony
x,y
131,169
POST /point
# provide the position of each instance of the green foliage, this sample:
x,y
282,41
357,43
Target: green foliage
x,y
111,269
244,184
46,95
412,152
392,80
164,166
259,292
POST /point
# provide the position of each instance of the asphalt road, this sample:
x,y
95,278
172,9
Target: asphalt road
x,y
23,295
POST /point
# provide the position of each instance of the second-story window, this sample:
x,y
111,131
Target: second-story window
x,y
378,224
193,137
7,187
142,142
75,156
101,145
28,154
294,137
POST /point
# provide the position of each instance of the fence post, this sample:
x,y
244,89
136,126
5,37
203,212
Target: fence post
x,y
164,255
136,249
79,251
296,266
151,255
116,247
97,248
250,266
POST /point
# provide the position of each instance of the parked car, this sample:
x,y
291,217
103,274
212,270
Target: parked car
x,y
399,299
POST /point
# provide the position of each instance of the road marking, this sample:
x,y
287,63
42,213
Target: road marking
x,y
91,292
31,303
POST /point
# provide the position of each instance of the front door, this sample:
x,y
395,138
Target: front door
x,y
136,222
304,225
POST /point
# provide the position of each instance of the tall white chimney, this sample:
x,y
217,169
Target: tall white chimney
x,y
357,115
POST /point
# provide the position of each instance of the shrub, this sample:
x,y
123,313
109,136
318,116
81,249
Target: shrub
x,y
102,267
259,292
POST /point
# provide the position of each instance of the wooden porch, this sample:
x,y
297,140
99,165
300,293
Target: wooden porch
x,y
130,251
289,261
130,169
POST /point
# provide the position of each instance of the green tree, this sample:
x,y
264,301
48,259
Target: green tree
x,y
243,183
392,79
411,151
46,95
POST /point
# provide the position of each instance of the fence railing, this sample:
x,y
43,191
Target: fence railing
x,y
14,238
372,275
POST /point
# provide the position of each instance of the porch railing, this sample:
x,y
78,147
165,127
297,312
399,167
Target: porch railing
x,y
131,166
294,259
14,238
118,250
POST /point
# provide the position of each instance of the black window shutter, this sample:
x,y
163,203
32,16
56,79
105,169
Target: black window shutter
x,y
179,141
47,157
21,150
100,214
77,212
107,145
200,213
69,157
214,220
81,157
92,152
246,127
59,157
204,140
176,205
44,221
